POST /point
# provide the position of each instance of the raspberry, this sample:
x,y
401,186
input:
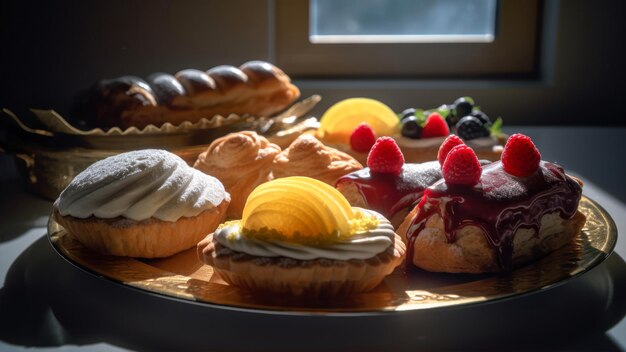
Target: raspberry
x,y
362,138
461,166
520,157
450,142
385,157
435,126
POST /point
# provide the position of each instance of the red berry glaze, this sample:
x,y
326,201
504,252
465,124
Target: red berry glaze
x,y
450,142
362,138
435,126
385,157
461,167
520,157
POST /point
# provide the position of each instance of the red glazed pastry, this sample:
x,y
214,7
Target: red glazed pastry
x,y
499,222
388,185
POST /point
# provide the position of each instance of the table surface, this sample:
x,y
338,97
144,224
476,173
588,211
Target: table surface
x,y
33,315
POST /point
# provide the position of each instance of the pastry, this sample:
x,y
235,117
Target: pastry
x,y
390,192
147,203
256,88
493,218
307,156
241,161
351,126
300,236
393,194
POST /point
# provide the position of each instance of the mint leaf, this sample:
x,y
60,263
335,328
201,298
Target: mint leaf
x,y
496,127
443,110
470,99
420,116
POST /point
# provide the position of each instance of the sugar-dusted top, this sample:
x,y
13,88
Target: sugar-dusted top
x,y
139,185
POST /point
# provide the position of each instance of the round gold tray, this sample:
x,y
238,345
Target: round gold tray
x,y
183,276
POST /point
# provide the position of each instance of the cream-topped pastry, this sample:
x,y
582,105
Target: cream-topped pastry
x,y
359,246
146,203
418,133
140,185
300,235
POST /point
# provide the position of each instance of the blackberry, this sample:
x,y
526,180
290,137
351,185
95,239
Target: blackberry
x,y
411,127
482,117
471,127
451,120
462,108
406,113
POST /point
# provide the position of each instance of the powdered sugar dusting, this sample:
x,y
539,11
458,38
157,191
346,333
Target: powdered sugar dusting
x,y
139,185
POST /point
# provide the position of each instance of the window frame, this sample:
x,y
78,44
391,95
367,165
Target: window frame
x,y
513,52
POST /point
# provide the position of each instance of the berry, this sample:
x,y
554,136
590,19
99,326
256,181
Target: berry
x,y
481,116
411,127
462,107
471,127
461,167
435,126
447,145
406,113
362,138
385,157
520,157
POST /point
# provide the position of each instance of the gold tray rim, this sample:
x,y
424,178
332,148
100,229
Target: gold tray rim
x,y
608,244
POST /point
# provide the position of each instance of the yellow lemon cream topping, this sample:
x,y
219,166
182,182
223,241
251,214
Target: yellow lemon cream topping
x,y
302,210
304,219
341,119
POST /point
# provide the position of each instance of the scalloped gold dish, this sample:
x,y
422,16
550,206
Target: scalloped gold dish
x,y
167,135
184,277
56,123
48,160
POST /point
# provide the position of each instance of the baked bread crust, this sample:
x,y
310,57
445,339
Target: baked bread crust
x,y
241,161
318,277
256,88
470,252
151,238
307,156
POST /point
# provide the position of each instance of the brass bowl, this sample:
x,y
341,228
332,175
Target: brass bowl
x,y
47,171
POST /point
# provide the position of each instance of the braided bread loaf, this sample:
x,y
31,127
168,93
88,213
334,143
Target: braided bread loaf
x,y
257,88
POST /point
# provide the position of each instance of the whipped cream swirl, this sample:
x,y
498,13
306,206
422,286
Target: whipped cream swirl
x,y
361,245
139,185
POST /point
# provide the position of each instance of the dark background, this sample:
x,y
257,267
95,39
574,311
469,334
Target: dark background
x,y
50,50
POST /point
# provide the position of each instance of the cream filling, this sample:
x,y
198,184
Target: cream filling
x,y
525,240
140,185
362,245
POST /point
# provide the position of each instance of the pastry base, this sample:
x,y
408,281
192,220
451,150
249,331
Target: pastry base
x,y
471,253
315,278
151,238
422,154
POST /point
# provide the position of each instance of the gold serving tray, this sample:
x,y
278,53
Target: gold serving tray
x,y
183,276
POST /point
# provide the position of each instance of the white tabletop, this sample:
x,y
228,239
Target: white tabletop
x,y
27,322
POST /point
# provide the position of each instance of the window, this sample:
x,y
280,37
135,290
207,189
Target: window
x,y
402,21
314,40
